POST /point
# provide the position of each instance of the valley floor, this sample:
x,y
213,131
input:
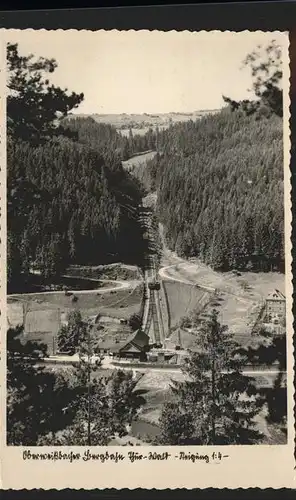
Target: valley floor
x,y
238,299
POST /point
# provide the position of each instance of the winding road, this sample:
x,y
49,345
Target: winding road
x,y
117,285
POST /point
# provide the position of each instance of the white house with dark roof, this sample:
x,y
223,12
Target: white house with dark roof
x,y
275,307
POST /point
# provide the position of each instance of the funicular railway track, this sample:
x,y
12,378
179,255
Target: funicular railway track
x,y
152,322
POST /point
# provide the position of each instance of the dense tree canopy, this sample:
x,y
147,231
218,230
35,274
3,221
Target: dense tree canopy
x,y
86,213
105,138
69,199
220,189
220,198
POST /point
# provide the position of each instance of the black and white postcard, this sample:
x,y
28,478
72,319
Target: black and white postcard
x,y
146,290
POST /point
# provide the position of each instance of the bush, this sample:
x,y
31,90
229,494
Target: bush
x,y
135,321
185,322
245,285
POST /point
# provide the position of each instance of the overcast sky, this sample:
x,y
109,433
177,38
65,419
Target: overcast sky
x,y
152,72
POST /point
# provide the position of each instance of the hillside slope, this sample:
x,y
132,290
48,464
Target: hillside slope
x,y
220,190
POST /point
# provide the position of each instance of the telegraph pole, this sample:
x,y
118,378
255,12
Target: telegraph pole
x,y
179,337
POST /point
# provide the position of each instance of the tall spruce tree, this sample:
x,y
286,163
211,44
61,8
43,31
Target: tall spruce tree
x,y
216,404
72,335
90,426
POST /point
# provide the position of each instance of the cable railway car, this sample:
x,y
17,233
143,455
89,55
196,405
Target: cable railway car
x,y
154,285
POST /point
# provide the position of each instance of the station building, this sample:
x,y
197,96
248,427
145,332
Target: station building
x,y
135,346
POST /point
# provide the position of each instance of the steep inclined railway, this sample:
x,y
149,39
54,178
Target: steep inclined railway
x,y
152,321
156,319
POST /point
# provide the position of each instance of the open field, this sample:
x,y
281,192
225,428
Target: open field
x,y
140,123
185,337
249,285
15,313
137,160
41,325
237,314
44,312
240,296
110,333
140,130
86,303
110,271
182,299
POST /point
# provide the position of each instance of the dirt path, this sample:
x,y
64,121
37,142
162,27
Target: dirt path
x,y
169,258
108,364
174,272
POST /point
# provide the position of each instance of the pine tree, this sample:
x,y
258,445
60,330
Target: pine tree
x,y
34,110
266,67
72,238
216,404
36,398
34,106
72,335
91,420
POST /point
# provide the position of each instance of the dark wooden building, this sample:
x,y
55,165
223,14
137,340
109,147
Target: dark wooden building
x,y
134,346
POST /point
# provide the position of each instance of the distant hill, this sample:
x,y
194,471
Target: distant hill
x,y
140,123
